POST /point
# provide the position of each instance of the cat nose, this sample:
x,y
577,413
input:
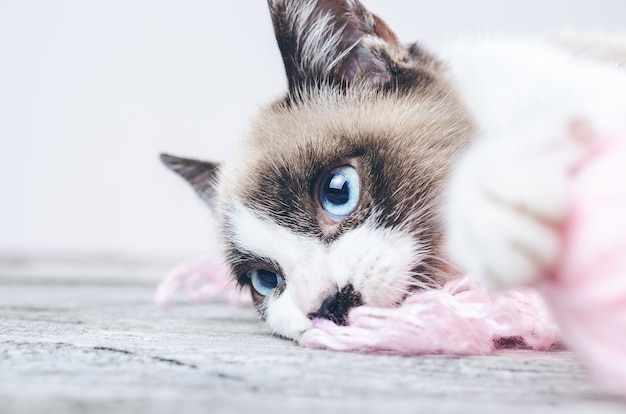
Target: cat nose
x,y
335,308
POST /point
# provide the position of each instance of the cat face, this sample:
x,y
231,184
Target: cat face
x,y
331,200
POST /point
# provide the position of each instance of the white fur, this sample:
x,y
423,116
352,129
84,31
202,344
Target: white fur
x,y
505,82
377,262
601,46
509,193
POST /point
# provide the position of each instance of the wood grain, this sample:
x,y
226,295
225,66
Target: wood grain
x,y
76,348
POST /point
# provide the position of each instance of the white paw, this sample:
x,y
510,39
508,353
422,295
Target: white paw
x,y
507,199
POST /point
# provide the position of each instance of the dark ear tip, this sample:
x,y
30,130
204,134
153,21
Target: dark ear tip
x,y
167,159
172,162
200,174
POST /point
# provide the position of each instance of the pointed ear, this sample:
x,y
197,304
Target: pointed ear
x,y
334,41
201,175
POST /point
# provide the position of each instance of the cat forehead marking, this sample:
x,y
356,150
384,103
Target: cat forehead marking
x,y
266,239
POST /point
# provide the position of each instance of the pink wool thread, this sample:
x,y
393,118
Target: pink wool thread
x,y
203,279
459,319
587,292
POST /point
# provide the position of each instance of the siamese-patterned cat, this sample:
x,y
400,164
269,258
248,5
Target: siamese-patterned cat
x,y
383,164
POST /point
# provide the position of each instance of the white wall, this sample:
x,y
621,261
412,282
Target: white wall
x,y
92,91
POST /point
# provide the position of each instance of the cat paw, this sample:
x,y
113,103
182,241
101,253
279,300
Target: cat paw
x,y
507,200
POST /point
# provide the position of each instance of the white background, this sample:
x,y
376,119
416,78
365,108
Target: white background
x,y
92,91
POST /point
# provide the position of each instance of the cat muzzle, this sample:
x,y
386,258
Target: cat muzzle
x,y
335,308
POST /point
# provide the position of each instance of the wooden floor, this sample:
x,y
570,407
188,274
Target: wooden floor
x,y
72,347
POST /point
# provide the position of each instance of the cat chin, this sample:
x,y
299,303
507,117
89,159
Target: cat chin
x,y
286,319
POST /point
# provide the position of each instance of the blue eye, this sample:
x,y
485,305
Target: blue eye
x,y
264,281
339,192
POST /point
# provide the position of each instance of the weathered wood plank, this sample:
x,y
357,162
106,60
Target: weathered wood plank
x,y
86,348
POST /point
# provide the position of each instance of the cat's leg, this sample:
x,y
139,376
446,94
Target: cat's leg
x,y
507,199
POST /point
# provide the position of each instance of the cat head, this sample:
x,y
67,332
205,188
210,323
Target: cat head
x,y
331,200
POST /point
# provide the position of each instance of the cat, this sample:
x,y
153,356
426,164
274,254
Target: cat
x,y
386,168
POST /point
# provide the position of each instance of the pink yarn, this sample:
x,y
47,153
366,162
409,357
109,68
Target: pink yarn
x,y
587,291
203,279
460,319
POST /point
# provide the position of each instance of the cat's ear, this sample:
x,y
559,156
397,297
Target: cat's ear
x,y
333,41
201,175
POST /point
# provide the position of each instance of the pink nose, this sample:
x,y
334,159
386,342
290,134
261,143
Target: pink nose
x,y
335,308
